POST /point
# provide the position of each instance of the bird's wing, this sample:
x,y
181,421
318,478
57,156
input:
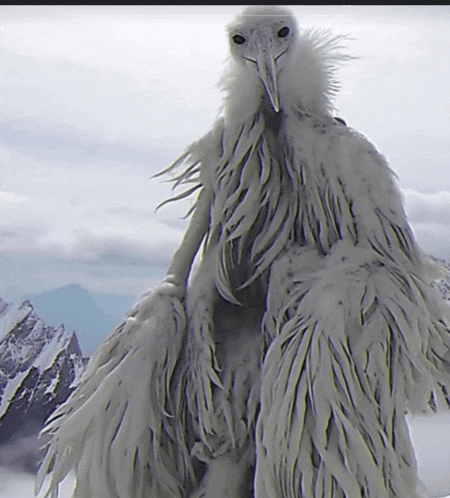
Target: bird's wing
x,y
125,417
355,333
374,199
341,360
362,201
381,224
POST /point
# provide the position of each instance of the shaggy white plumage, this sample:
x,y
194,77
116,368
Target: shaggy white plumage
x,y
286,367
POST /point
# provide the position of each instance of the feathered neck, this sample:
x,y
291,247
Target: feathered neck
x,y
307,84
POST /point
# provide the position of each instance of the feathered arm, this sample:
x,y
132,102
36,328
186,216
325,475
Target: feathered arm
x,y
200,160
181,263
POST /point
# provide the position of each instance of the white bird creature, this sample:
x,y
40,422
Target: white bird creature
x,y
285,367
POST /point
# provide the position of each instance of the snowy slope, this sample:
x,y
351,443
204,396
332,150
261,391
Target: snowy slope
x,y
39,368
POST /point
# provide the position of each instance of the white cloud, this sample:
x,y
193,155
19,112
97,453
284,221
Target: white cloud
x,y
429,215
86,211
10,197
428,207
114,79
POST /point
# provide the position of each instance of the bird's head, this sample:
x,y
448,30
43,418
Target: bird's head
x,y
262,40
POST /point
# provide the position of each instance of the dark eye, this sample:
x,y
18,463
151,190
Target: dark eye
x,y
238,39
283,32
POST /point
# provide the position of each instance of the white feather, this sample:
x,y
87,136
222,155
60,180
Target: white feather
x,y
125,416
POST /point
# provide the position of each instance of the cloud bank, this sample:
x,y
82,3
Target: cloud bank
x,y
95,100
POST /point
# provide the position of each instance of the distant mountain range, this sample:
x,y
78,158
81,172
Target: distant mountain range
x,y
42,359
91,316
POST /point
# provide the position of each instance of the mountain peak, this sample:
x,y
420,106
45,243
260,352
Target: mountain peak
x,y
40,366
74,307
69,290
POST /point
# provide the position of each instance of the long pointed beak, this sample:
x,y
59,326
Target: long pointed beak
x,y
265,62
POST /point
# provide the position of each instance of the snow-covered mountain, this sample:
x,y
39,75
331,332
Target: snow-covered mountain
x,y
39,367
92,317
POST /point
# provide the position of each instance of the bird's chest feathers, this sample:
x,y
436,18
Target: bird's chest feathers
x,y
278,183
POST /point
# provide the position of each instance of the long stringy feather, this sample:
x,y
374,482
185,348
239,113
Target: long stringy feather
x,y
124,430
345,354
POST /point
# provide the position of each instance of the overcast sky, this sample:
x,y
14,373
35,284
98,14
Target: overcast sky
x,y
95,100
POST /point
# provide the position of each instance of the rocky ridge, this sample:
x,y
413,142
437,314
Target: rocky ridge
x,y
39,367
